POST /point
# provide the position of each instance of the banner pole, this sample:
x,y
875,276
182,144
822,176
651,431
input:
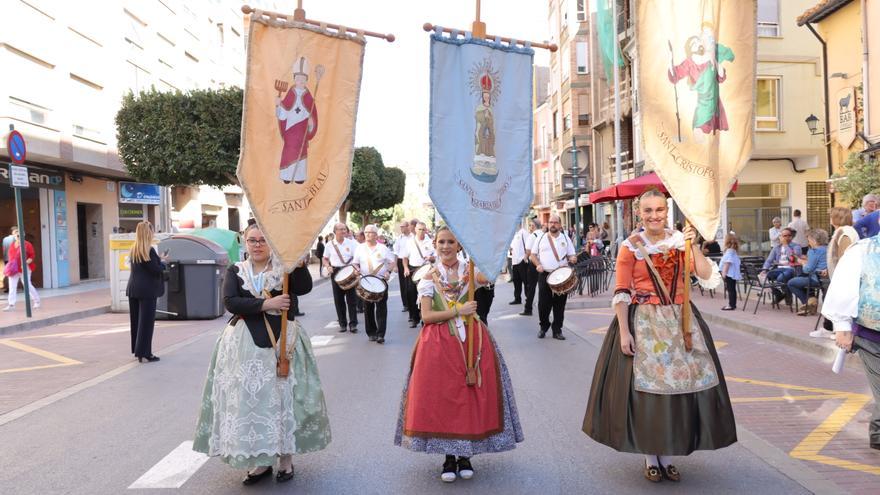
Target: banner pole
x,y
478,28
299,14
283,362
471,378
686,298
534,44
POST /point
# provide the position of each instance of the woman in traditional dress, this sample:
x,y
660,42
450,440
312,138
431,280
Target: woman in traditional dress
x,y
656,391
251,417
440,413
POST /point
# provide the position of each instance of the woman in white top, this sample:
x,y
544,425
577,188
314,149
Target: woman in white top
x,y
844,236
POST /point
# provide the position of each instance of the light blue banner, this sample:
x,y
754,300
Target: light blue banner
x,y
62,245
481,142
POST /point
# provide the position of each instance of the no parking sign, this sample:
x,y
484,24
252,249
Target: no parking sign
x,y
17,147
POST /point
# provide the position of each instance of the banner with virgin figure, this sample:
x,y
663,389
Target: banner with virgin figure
x,y
481,142
697,89
297,128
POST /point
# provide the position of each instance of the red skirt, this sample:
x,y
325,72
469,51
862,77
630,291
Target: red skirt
x,y
439,403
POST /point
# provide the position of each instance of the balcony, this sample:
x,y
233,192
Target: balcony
x,y
606,100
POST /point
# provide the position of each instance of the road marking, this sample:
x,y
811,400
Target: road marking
x,y
506,317
332,324
173,470
600,331
58,358
321,340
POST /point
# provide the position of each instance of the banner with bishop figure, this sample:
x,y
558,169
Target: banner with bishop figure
x,y
697,98
297,129
481,142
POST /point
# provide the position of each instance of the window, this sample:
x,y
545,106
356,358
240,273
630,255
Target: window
x,y
545,187
767,105
555,133
565,61
583,58
818,203
27,111
768,18
566,122
582,10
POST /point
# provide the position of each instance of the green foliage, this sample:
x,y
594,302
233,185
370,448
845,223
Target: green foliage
x,y
859,177
374,187
174,138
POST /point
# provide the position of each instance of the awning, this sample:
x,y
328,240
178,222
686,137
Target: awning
x,y
632,188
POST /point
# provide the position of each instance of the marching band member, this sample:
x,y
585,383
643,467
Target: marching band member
x,y
439,412
530,282
373,258
398,247
340,253
416,253
657,391
250,417
549,252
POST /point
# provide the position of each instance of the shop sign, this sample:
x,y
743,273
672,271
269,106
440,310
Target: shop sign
x,y
139,193
37,177
846,116
128,212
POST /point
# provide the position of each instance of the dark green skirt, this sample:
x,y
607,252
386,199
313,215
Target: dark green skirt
x,y
644,423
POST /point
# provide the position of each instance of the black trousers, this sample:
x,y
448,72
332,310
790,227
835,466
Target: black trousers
x,y
869,351
412,296
730,286
344,300
142,317
484,297
530,282
376,316
402,281
548,301
518,276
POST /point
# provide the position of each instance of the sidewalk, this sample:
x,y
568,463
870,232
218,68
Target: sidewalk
x,y
73,303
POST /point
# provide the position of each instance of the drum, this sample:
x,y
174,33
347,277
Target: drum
x,y
371,288
346,278
562,280
421,272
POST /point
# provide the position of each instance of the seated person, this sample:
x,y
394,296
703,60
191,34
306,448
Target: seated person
x,y
780,265
816,265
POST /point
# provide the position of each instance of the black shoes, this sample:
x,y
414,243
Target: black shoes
x,y
251,479
559,336
413,324
380,340
283,476
515,302
526,313
541,333
465,470
342,328
353,328
148,359
460,469
372,338
404,310
299,313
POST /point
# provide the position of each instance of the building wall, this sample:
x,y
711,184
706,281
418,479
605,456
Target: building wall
x,y
872,15
91,191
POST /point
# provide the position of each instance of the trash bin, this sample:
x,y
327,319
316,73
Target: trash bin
x,y
196,267
120,268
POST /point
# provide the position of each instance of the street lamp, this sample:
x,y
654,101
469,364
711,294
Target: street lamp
x,y
574,181
812,124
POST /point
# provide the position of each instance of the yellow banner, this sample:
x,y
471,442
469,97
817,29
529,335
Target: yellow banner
x,y
696,89
300,105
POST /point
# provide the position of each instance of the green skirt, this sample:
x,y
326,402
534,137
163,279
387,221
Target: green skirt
x,y
249,416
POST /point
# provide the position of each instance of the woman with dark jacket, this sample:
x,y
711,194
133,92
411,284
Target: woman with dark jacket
x,y
250,417
145,285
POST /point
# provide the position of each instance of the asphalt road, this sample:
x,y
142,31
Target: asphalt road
x,y
102,439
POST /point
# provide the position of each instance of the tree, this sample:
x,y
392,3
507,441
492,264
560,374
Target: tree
x,y
174,138
374,187
860,177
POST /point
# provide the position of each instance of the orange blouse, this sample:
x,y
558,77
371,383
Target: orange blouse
x,y
633,275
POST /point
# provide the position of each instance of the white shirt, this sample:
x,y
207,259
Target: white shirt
x,y
542,249
774,236
373,260
416,251
800,227
841,304
399,242
346,249
520,246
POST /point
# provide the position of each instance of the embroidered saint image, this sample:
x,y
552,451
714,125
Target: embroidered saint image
x,y
297,117
704,73
485,85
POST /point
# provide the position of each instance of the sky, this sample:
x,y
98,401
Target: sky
x,y
393,107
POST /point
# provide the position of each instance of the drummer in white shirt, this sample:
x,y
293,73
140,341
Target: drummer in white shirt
x,y
415,253
404,238
549,252
372,258
338,254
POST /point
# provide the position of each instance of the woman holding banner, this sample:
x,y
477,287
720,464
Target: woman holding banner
x,y
250,417
656,390
440,413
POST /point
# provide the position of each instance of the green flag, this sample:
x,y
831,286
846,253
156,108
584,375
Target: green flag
x,y
607,34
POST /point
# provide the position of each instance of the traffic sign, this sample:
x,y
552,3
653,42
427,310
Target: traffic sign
x,y
18,176
17,147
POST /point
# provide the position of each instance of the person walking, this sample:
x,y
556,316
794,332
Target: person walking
x,y
441,412
800,228
731,270
416,253
551,251
319,253
399,243
7,242
518,260
251,417
339,253
13,271
530,282
374,259
656,390
145,285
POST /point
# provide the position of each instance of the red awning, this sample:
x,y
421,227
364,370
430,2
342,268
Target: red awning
x,y
632,188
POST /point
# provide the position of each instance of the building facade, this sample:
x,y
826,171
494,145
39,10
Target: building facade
x,y
68,65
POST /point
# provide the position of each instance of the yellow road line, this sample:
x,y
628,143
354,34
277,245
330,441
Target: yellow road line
x,y
814,390
31,368
786,398
58,358
600,330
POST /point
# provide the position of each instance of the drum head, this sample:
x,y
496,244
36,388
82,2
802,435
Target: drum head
x,y
421,272
373,284
343,273
559,275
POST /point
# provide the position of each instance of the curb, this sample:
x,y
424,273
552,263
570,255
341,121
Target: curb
x,y
54,320
588,304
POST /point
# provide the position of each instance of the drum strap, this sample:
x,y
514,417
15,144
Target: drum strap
x,y
419,249
523,241
373,270
553,248
336,247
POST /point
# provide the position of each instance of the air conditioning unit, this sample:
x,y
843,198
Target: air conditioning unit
x,y
779,191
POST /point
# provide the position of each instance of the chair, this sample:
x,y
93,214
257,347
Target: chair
x,y
754,282
824,283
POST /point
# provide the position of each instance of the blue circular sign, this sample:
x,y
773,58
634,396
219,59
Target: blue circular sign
x,y
16,146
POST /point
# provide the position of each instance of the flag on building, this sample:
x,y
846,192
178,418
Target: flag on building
x,y
606,33
297,129
696,90
481,142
